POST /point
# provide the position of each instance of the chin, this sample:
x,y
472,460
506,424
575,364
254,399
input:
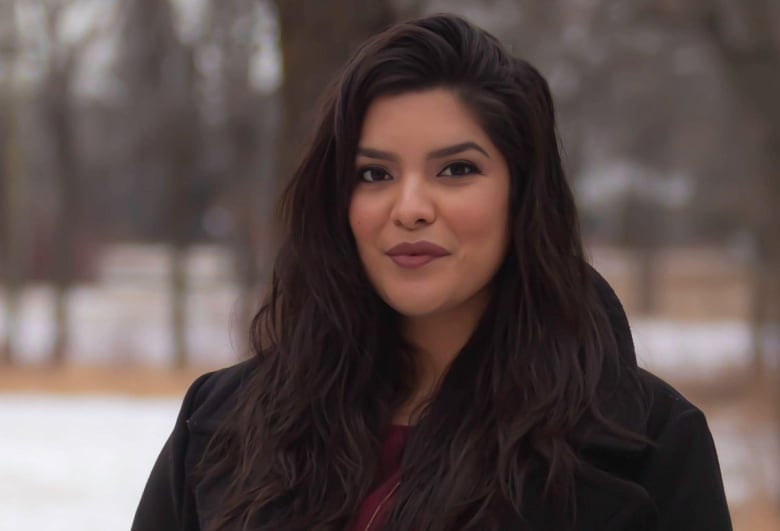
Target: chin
x,y
415,311
414,306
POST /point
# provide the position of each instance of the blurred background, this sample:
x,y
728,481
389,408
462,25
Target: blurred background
x,y
143,143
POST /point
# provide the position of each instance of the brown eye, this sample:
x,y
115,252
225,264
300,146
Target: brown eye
x,y
372,175
459,169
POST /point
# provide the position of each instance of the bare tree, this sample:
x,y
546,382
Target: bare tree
x,y
161,113
57,107
747,37
56,101
248,120
9,178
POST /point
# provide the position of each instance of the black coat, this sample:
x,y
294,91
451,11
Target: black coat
x,y
673,485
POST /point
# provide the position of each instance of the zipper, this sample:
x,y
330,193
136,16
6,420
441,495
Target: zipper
x,y
381,503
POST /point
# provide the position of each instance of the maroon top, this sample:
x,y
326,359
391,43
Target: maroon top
x,y
388,475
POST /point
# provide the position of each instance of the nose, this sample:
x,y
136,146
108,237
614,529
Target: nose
x,y
413,207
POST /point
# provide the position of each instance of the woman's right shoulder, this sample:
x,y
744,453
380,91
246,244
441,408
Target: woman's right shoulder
x,y
168,501
212,395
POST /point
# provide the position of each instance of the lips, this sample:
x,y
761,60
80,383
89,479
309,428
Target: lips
x,y
417,254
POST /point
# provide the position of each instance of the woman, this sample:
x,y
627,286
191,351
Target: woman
x,y
435,353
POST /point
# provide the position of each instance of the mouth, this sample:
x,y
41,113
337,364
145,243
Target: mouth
x,y
412,261
416,254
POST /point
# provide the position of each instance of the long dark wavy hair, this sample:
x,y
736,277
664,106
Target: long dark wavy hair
x,y
302,444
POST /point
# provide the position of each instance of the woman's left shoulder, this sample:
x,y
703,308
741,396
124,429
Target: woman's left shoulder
x,y
666,478
680,468
666,403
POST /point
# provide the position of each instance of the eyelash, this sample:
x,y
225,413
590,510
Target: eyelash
x,y
473,170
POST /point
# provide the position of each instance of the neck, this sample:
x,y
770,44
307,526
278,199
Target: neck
x,y
437,339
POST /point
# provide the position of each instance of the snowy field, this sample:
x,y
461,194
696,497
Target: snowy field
x,y
77,463
80,463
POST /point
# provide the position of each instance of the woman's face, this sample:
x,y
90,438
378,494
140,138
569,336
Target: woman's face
x,y
429,176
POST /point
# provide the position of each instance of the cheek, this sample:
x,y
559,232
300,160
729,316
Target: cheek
x,y
363,220
482,220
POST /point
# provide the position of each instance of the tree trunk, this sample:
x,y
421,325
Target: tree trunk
x,y
163,143
178,305
317,39
640,234
180,219
761,280
9,182
9,226
59,119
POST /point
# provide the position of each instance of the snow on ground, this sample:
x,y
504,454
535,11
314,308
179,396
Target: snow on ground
x,y
77,463
695,350
80,463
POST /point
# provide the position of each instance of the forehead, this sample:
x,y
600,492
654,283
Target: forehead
x,y
423,119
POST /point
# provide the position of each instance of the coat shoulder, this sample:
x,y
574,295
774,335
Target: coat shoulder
x,y
680,469
168,501
667,405
213,394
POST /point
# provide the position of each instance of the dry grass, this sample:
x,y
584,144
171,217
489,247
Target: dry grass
x,y
757,515
137,381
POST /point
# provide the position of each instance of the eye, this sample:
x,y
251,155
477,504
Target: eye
x,y
372,175
459,169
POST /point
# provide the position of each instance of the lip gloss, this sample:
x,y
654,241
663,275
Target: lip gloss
x,y
412,261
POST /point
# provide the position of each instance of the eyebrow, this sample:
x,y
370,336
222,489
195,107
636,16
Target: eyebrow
x,y
435,154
